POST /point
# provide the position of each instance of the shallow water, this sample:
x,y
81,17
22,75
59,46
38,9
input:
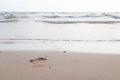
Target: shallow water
x,y
30,32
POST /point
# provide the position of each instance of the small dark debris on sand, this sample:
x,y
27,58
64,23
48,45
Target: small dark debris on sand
x,y
50,67
0,52
64,51
38,59
31,60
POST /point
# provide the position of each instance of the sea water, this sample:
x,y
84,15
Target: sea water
x,y
60,31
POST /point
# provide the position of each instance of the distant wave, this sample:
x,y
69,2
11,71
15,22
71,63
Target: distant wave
x,y
8,20
30,39
61,17
70,16
88,15
112,16
75,22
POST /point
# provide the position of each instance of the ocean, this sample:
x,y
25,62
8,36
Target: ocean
x,y
92,32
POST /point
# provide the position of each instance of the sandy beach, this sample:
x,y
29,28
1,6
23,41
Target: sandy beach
x,y
58,65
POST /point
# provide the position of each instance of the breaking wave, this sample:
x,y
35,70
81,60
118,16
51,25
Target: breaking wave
x,y
75,22
61,17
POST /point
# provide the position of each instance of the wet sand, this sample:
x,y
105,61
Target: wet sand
x,y
58,65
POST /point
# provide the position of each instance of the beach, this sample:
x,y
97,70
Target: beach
x,y
58,65
59,46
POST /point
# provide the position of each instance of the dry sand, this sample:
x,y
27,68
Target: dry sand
x,y
53,65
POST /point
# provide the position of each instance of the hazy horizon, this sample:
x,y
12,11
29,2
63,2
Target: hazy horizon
x,y
59,6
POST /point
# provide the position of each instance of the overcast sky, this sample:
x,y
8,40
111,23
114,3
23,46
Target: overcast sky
x,y
61,5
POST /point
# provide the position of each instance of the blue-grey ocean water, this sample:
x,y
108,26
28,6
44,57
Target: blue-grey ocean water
x,y
71,31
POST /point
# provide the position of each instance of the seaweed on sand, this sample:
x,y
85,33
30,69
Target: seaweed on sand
x,y
38,59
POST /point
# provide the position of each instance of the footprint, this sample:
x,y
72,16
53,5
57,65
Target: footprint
x,y
38,62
